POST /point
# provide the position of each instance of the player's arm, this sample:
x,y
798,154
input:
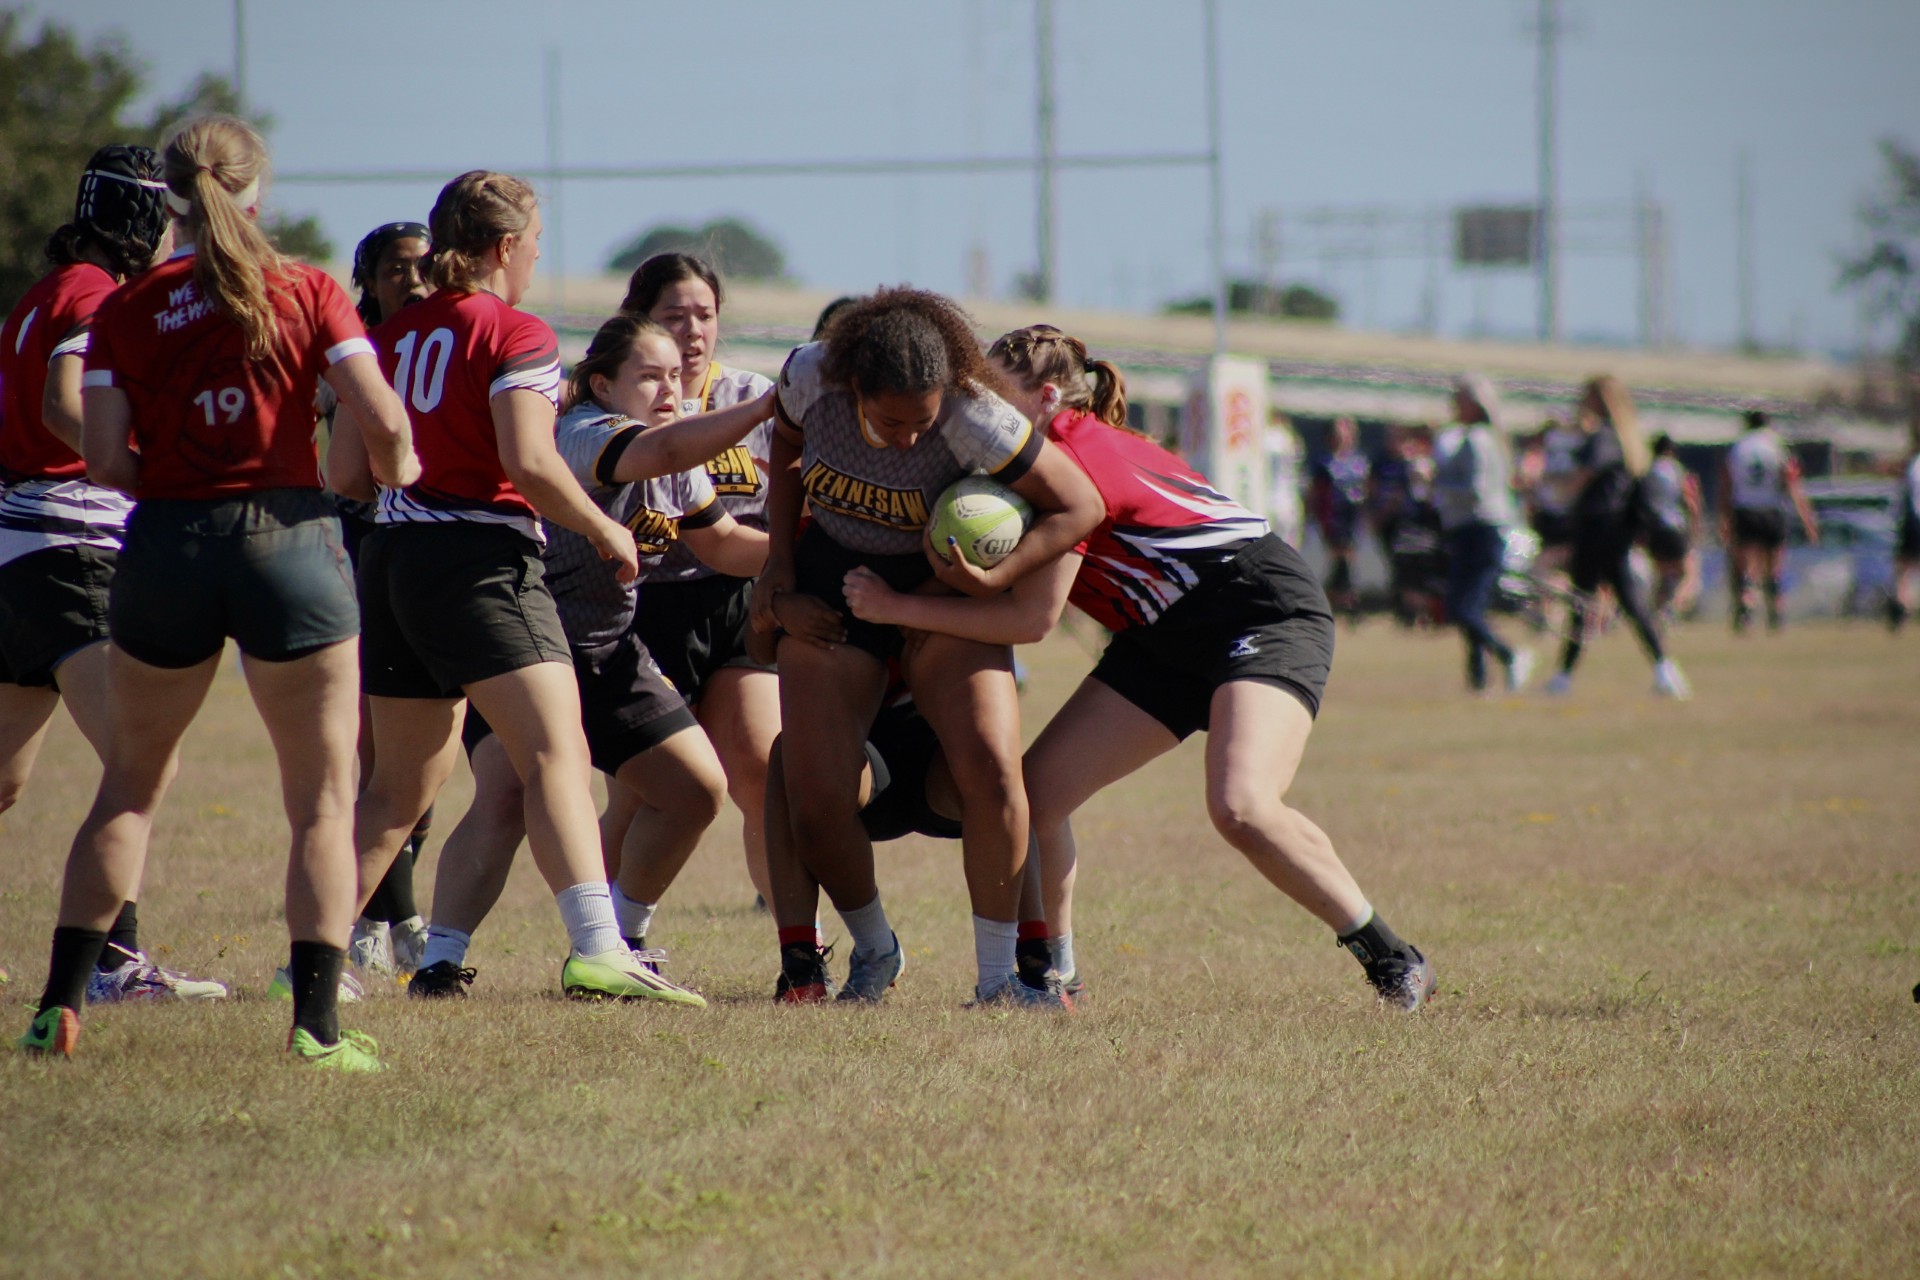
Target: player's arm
x,y
783,523
369,411
523,432
106,437
1798,492
1066,508
727,546
348,473
688,443
61,408
1022,615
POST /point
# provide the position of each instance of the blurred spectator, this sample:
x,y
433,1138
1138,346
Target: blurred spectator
x,y
1906,563
1760,479
1670,503
1470,480
1606,523
1338,497
1400,508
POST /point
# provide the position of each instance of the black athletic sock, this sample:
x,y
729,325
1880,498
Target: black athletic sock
x,y
75,952
636,944
124,934
1771,589
316,989
1032,958
1373,941
392,899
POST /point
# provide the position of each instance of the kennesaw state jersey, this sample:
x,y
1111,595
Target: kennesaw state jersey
x,y
209,420
872,498
595,607
448,357
1758,465
739,475
1166,529
46,501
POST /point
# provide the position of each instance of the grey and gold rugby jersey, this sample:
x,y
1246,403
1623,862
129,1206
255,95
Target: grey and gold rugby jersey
x,y
738,476
872,498
596,608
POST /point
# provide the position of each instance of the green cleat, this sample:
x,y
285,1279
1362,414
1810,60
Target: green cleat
x,y
621,975
281,988
52,1031
354,1051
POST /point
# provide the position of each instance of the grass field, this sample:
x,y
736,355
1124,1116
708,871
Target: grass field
x,y
1674,1037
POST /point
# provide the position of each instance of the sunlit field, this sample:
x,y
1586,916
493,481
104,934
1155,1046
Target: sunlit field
x,y
1675,1031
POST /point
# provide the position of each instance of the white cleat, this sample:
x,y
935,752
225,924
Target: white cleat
x,y
1520,670
1669,683
371,949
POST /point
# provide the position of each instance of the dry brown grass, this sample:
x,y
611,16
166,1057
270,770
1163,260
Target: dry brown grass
x,y
1675,1036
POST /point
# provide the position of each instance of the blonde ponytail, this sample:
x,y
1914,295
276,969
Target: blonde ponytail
x,y
208,162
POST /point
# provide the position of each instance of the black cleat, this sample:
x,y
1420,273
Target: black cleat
x,y
1403,980
441,980
803,975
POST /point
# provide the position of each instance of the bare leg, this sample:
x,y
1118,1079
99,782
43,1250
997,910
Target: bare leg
x,y
1258,733
480,849
965,690
312,712
152,707
828,699
1096,739
681,788
535,712
417,741
740,710
24,716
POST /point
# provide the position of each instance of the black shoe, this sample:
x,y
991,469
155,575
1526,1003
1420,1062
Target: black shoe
x,y
1403,979
1033,961
440,980
803,975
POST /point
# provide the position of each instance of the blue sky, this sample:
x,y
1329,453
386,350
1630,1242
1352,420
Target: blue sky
x,y
1410,103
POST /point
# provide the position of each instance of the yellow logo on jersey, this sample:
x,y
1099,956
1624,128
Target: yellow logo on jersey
x,y
733,472
654,532
845,495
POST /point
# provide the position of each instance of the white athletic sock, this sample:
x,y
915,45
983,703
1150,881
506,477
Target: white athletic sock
x,y
635,917
872,935
587,911
1061,944
993,946
445,944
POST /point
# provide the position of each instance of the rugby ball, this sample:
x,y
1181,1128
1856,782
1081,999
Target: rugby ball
x,y
985,518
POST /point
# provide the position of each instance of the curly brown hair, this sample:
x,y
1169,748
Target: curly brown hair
x,y
905,340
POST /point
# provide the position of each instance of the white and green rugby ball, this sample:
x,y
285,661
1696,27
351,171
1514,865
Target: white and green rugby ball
x,y
984,517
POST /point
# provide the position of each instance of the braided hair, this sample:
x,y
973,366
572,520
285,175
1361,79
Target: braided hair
x,y
1041,353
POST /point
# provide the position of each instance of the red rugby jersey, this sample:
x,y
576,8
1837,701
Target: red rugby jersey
x,y
209,420
51,320
1165,531
448,357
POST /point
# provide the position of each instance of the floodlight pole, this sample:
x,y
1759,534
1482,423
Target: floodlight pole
x,y
1044,144
240,52
1546,264
555,237
1216,197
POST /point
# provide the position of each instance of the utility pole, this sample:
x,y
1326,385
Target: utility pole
x,y
555,238
1546,258
1651,237
1044,141
240,52
1216,183
1743,247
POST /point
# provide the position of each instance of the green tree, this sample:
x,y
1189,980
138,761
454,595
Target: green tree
x,y
736,249
214,95
58,103
1257,298
1887,272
